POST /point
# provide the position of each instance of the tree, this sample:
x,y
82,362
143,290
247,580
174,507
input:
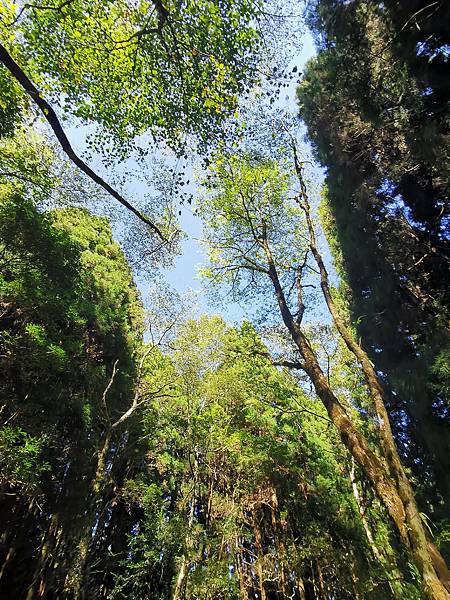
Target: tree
x,y
189,465
251,238
69,311
375,102
242,494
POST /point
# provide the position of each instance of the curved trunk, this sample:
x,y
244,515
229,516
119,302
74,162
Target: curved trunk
x,y
395,493
180,584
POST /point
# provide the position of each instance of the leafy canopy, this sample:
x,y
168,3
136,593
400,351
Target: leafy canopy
x,y
247,205
169,68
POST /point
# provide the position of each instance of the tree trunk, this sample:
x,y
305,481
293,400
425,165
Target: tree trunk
x,y
278,533
180,584
376,553
9,556
183,572
426,556
355,583
38,586
322,592
399,504
402,510
76,579
240,568
301,588
260,555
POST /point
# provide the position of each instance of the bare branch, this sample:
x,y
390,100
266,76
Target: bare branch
x,y
293,411
298,280
107,388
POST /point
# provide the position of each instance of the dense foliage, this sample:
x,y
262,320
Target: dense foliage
x,y
259,244
172,69
244,493
69,311
199,470
151,452
375,101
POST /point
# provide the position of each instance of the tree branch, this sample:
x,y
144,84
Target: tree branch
x,y
52,119
289,364
22,177
37,7
298,280
107,388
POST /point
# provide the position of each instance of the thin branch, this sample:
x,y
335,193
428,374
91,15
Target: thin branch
x,y
293,411
146,30
249,219
298,280
289,364
22,178
107,388
405,25
37,7
230,268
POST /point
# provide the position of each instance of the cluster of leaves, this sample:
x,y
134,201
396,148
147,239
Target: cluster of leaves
x,y
57,284
245,199
20,459
231,483
169,68
142,76
11,103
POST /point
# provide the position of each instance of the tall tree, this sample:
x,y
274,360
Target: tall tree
x,y
242,495
375,101
254,240
70,311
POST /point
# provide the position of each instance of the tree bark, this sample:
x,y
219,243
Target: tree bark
x,y
422,549
301,588
240,566
76,579
278,533
38,586
322,592
180,584
376,553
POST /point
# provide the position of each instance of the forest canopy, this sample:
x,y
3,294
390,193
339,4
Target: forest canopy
x,y
152,444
